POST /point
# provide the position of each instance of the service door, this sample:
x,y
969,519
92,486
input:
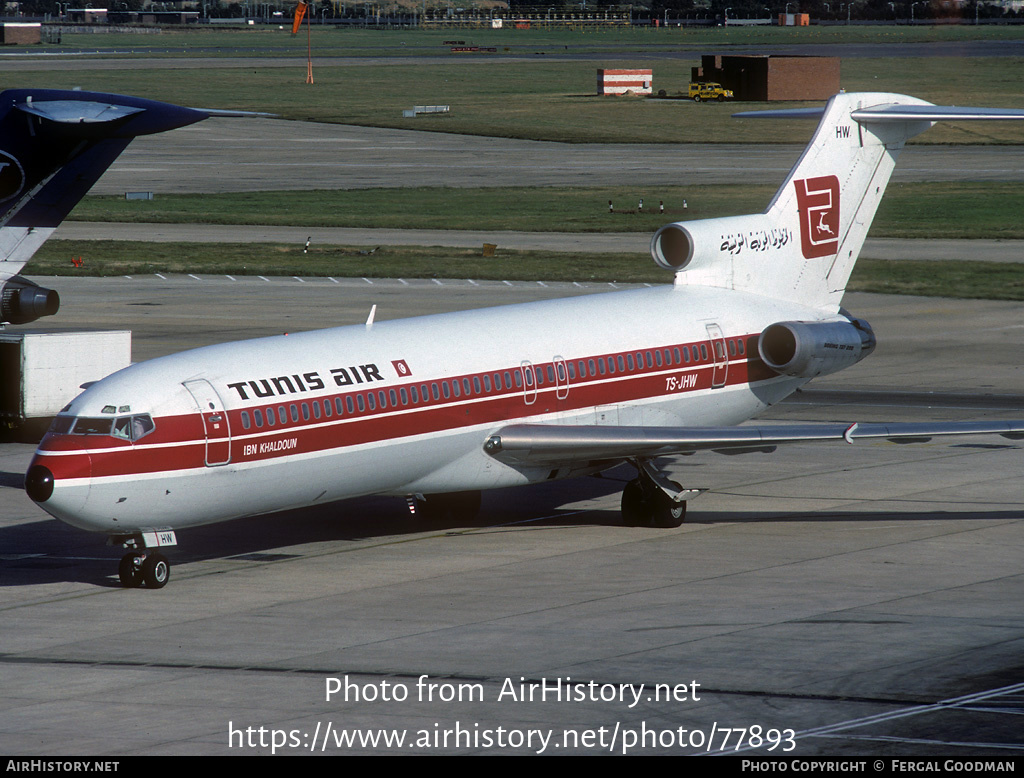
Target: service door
x,y
561,380
215,421
529,378
720,356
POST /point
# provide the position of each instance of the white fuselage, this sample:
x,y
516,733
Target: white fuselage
x,y
401,407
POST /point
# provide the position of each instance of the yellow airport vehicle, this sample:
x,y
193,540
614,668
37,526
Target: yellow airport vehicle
x,y
709,91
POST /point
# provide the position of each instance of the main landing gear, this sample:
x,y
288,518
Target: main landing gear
x,y
143,565
653,500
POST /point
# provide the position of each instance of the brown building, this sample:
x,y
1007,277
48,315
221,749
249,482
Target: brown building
x,y
767,77
20,32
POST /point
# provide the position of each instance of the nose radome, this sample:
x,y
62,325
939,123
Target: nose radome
x,y
39,483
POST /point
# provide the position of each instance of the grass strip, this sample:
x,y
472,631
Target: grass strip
x,y
540,98
914,210
962,279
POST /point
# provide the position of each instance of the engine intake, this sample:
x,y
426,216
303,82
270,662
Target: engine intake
x,y
672,247
808,349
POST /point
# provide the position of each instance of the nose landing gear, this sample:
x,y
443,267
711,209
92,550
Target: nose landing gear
x,y
135,569
143,565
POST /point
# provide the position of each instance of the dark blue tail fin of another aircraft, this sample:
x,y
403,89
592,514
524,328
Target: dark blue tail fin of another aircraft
x,y
54,145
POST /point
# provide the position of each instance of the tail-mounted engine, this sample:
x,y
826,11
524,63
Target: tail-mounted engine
x,y
21,301
808,349
706,243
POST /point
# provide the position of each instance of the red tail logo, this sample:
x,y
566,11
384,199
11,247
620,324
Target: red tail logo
x,y
818,201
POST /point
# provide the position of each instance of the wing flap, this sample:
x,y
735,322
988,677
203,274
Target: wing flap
x,y
545,444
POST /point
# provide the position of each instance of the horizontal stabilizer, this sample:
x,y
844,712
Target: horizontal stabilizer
x,y
934,113
782,113
547,444
226,113
895,113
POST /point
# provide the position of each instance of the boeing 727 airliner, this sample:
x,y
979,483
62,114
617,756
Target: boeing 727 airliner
x,y
445,406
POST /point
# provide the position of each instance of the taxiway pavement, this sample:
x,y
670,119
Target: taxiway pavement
x,y
236,155
592,243
864,597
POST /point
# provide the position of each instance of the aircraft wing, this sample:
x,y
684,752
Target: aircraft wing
x,y
536,444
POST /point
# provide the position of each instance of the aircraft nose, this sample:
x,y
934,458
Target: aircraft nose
x,y
58,478
39,483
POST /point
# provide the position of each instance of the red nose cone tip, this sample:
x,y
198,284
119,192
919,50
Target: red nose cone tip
x,y
39,483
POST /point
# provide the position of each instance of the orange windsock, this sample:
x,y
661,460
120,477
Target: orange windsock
x,y
300,11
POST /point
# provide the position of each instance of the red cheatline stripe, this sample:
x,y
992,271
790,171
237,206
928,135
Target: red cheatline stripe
x,y
178,442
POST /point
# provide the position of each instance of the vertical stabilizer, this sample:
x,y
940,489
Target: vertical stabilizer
x,y
830,197
804,246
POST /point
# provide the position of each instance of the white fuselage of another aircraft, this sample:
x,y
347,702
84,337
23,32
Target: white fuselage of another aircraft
x,y
401,407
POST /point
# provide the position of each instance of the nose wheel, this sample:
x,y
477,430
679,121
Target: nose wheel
x,y
153,570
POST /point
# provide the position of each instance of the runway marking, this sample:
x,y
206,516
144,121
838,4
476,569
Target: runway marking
x,y
298,279
264,278
954,703
160,276
197,278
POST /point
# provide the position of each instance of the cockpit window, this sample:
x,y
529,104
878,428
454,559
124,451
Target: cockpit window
x,y
123,427
85,425
62,425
